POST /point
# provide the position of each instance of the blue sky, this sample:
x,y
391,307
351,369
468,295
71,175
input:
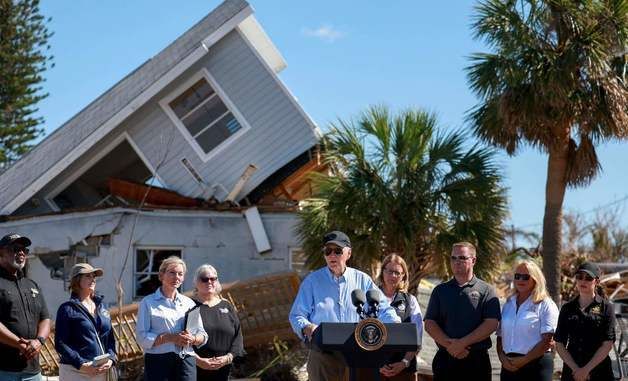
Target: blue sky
x,y
342,57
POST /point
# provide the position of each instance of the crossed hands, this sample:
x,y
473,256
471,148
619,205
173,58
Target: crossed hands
x,y
29,348
181,339
581,374
391,370
87,368
213,363
457,348
512,364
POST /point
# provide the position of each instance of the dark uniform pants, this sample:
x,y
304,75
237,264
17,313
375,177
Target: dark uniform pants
x,y
540,369
476,366
169,367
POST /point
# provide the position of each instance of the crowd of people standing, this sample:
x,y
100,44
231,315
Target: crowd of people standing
x,y
199,337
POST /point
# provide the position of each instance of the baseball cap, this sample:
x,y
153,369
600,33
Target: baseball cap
x,y
12,238
84,268
590,268
337,237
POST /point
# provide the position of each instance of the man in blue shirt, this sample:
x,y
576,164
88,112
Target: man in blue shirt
x,y
325,296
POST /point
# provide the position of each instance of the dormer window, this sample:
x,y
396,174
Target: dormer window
x,y
203,115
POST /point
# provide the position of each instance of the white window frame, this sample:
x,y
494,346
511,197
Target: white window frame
x,y
49,198
204,74
143,247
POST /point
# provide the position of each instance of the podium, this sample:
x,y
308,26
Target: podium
x,y
341,338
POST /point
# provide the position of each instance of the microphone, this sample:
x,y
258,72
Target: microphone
x,y
359,300
373,296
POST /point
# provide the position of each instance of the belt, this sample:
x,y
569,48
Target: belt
x,y
514,354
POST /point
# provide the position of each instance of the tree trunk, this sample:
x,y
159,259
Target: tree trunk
x,y
552,220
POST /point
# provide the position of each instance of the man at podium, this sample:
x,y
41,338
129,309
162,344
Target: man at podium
x,y
325,296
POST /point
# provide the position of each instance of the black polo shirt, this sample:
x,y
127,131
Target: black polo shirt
x,y
22,307
582,332
459,310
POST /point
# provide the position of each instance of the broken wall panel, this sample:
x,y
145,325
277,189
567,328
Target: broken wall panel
x,y
222,239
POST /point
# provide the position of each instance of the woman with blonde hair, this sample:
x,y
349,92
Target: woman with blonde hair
x,y
394,281
220,321
162,329
529,319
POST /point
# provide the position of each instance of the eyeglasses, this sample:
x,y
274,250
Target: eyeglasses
x,y
393,273
583,276
329,250
461,258
206,279
16,249
522,276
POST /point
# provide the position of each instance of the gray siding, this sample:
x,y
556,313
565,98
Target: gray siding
x,y
62,141
278,133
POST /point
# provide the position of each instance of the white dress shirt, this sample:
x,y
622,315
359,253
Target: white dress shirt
x,y
520,330
158,314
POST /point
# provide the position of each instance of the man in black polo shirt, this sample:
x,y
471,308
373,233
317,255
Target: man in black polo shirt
x,y
460,317
24,320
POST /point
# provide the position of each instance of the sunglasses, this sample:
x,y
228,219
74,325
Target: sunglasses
x,y
206,279
393,272
583,276
17,249
522,276
329,250
461,258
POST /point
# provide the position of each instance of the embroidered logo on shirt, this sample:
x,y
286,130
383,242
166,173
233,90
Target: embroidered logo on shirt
x,y
474,294
596,310
401,306
105,313
34,292
224,310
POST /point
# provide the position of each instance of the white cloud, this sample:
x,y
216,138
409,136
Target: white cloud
x,y
324,32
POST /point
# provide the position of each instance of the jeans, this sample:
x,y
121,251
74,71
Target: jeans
x,y
19,376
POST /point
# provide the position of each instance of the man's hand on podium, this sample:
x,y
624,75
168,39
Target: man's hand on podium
x,y
308,330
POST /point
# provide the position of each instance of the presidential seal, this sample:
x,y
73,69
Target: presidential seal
x,y
370,334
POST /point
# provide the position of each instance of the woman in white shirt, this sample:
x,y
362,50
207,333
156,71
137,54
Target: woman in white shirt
x,y
529,319
162,330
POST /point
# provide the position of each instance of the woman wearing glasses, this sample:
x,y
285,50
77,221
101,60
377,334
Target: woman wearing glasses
x,y
529,319
586,330
393,280
220,321
162,330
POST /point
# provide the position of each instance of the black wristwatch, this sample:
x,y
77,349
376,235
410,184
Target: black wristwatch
x,y
41,339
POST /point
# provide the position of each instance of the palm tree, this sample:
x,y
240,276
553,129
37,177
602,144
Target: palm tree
x,y
398,184
556,80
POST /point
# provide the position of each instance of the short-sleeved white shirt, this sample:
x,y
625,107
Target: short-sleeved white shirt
x,y
521,330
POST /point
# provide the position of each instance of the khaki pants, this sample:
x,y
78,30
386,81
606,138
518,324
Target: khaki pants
x,y
326,367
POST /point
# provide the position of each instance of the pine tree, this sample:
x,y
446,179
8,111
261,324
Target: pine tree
x,y
23,58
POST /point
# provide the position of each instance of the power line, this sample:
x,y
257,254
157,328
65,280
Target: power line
x,y
597,208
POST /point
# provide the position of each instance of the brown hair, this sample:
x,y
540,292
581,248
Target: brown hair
x,y
75,285
395,258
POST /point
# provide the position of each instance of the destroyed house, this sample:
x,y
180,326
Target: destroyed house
x,y
201,152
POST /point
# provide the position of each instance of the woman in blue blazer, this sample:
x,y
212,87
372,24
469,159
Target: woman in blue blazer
x,y
83,333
